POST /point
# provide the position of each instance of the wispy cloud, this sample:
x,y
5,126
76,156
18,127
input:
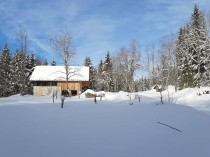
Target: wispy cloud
x,y
96,25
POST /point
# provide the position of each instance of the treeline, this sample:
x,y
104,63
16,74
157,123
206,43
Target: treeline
x,y
115,73
183,60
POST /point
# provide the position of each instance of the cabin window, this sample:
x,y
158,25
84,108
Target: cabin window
x,y
46,83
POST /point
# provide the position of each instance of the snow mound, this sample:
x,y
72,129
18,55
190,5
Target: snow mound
x,y
108,95
83,95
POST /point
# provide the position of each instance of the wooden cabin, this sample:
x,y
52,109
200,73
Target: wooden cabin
x,y
48,79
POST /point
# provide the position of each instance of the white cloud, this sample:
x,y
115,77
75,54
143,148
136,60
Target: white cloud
x,y
97,25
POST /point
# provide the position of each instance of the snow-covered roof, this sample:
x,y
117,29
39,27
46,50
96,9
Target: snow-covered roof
x,y
57,73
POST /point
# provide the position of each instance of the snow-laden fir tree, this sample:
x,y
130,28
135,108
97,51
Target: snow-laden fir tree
x,y
192,52
29,68
104,75
107,74
23,77
100,81
30,64
198,51
16,72
184,59
92,73
23,66
6,85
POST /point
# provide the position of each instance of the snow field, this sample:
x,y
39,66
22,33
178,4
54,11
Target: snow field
x,y
34,126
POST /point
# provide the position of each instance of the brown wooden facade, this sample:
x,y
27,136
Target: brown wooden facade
x,y
74,86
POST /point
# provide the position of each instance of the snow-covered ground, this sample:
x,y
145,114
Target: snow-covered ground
x,y
35,127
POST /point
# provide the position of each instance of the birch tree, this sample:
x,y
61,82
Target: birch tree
x,y
125,64
151,65
134,63
168,61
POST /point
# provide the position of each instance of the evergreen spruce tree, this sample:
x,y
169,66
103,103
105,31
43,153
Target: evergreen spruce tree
x,y
179,58
99,77
198,53
23,78
22,68
206,75
184,62
32,63
92,73
53,63
29,68
16,72
100,67
6,85
108,74
192,52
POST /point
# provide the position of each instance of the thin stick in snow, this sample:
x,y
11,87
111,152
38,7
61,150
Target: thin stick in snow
x,y
169,126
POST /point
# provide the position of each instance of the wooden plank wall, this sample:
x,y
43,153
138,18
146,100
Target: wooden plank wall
x,y
86,83
46,90
72,85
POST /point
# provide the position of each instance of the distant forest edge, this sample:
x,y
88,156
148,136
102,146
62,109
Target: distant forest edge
x,y
183,60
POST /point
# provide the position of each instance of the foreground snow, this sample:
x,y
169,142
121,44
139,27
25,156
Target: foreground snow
x,y
35,127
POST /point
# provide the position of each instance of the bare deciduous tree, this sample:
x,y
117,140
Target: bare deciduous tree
x,y
151,65
168,61
62,44
22,38
125,64
22,74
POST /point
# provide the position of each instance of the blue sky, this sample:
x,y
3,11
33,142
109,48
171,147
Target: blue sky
x,y
97,26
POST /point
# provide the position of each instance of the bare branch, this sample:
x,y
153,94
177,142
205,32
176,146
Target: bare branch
x,y
169,126
22,38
